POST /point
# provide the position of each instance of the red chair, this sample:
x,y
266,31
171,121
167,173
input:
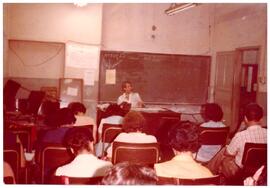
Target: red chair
x,y
109,133
64,180
214,180
141,153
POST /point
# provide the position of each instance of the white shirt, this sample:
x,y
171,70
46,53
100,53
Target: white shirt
x,y
182,166
84,165
84,120
253,134
207,152
111,120
132,137
133,99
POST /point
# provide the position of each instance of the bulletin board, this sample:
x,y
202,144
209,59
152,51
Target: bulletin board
x,y
71,90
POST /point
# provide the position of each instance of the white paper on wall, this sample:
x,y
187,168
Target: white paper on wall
x,y
82,55
89,77
71,91
110,76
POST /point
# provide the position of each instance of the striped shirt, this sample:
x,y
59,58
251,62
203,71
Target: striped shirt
x,y
253,134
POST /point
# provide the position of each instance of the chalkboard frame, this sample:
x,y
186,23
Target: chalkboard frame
x,y
117,57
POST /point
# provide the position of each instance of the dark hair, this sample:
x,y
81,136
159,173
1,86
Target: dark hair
x,y
130,174
183,136
78,139
114,109
253,112
62,116
124,84
77,107
212,111
133,121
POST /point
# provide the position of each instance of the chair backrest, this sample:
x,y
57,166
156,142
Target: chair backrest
x,y
141,153
254,156
53,156
110,131
213,136
65,180
12,155
214,180
9,180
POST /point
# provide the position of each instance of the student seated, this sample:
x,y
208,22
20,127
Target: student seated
x,y
129,96
228,160
60,122
183,138
129,174
133,124
85,163
79,111
113,115
212,114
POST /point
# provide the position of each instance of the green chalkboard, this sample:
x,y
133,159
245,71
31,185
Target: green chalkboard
x,y
158,78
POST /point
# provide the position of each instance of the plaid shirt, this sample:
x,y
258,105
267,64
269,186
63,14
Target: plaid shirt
x,y
253,134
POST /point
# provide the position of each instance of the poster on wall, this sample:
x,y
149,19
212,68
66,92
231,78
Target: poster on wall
x,y
79,55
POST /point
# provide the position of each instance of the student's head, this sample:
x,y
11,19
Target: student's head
x,y
127,86
211,112
63,116
79,140
133,122
253,112
183,137
130,174
77,108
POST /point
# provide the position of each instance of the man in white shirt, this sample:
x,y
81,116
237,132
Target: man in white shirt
x,y
228,160
129,97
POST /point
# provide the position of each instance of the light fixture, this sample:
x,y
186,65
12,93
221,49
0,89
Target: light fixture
x,y
80,4
177,7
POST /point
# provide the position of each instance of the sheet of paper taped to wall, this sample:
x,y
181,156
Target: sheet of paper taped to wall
x,y
71,91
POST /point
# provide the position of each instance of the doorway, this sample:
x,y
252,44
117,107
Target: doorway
x,y
249,58
236,83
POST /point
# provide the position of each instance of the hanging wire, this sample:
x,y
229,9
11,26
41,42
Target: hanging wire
x,y
39,64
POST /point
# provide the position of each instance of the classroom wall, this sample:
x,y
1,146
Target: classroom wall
x,y
53,22
242,25
128,27
203,30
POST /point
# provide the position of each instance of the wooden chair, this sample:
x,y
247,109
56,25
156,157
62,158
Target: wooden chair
x,y
52,156
9,180
109,132
255,155
213,136
214,180
12,155
64,180
143,153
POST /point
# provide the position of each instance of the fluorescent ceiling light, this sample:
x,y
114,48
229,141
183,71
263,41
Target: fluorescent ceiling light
x,y
80,4
178,7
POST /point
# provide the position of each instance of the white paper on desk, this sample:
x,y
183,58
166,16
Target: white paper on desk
x,y
110,76
89,77
71,91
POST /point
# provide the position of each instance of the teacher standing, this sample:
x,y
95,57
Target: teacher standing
x,y
129,97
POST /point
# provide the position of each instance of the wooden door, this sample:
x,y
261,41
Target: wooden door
x,y
227,86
